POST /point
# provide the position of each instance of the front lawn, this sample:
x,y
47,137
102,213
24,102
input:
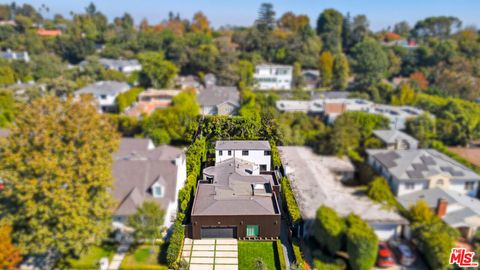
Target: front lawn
x,y
91,258
249,252
140,257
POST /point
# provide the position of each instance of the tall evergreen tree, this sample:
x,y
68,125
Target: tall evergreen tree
x,y
329,28
341,72
266,18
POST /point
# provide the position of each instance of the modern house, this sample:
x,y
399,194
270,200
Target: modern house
x,y
311,78
397,115
151,100
219,100
454,208
12,55
123,65
413,170
143,172
186,82
256,152
209,80
318,180
105,93
396,140
273,77
42,32
235,199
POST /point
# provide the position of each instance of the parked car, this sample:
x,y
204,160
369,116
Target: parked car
x,y
385,256
404,253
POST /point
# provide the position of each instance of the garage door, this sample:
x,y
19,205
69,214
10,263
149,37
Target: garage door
x,y
385,231
223,232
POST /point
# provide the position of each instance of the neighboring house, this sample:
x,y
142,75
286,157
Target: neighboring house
x,y
126,66
219,100
409,44
186,82
143,173
151,100
294,106
335,107
315,182
330,95
12,55
256,152
396,140
273,77
311,78
105,93
49,33
21,90
457,210
235,200
397,115
209,80
413,170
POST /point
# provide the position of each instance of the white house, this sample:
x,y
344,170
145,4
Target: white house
x,y
396,140
273,77
126,66
12,55
257,152
143,173
413,170
105,93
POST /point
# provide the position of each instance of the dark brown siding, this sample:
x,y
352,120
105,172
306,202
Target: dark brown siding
x,y
269,226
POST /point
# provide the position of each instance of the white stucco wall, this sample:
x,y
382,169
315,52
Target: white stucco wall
x,y
268,78
255,156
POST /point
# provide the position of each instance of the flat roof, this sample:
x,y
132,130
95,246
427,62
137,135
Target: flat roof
x,y
242,145
314,185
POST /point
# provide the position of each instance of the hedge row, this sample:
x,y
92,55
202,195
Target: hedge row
x,y
281,255
289,199
175,244
299,260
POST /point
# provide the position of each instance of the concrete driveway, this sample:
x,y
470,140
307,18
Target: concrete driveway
x,y
211,254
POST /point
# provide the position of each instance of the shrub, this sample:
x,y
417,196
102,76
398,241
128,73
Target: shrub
x,y
281,255
299,261
324,262
362,244
329,229
175,246
124,100
379,191
289,199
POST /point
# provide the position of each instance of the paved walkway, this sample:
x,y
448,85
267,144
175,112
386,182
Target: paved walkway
x,y
118,257
211,254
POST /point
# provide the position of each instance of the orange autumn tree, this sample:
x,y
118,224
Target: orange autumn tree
x,y
9,255
418,80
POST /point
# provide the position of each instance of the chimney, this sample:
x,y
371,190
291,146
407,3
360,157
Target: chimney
x,y
441,207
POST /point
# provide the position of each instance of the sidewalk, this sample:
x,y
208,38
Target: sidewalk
x,y
118,257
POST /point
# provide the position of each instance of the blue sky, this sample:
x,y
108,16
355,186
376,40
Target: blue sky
x,y
381,13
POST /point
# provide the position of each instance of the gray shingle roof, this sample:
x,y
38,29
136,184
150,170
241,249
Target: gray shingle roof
x,y
242,145
104,88
118,63
231,192
418,164
391,136
217,95
464,207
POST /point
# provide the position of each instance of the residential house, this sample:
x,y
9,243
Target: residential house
x,y
458,210
187,82
311,78
151,100
49,32
396,140
318,180
126,66
143,172
335,107
219,100
413,170
12,55
235,199
210,80
273,77
397,115
105,93
256,152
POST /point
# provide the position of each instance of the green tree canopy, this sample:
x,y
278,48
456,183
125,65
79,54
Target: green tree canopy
x,y
329,28
370,62
329,229
156,71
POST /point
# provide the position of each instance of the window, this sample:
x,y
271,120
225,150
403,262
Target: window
x,y
229,152
157,191
440,182
263,168
267,153
409,186
220,152
103,96
469,185
252,230
244,152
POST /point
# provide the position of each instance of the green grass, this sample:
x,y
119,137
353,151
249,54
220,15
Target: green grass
x,y
91,258
140,257
249,252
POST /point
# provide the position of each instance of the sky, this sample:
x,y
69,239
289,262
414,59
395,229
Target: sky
x,y
381,13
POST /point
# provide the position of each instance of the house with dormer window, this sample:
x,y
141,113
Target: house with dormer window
x,y
143,172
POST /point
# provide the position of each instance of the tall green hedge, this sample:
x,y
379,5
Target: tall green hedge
x,y
175,244
299,260
281,255
289,199
329,229
362,244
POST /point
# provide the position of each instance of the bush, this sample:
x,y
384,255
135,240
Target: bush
x,y
323,262
281,255
362,244
175,244
329,230
289,199
125,100
379,191
299,261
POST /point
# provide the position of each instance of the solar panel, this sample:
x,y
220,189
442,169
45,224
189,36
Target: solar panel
x,y
428,160
420,167
415,174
